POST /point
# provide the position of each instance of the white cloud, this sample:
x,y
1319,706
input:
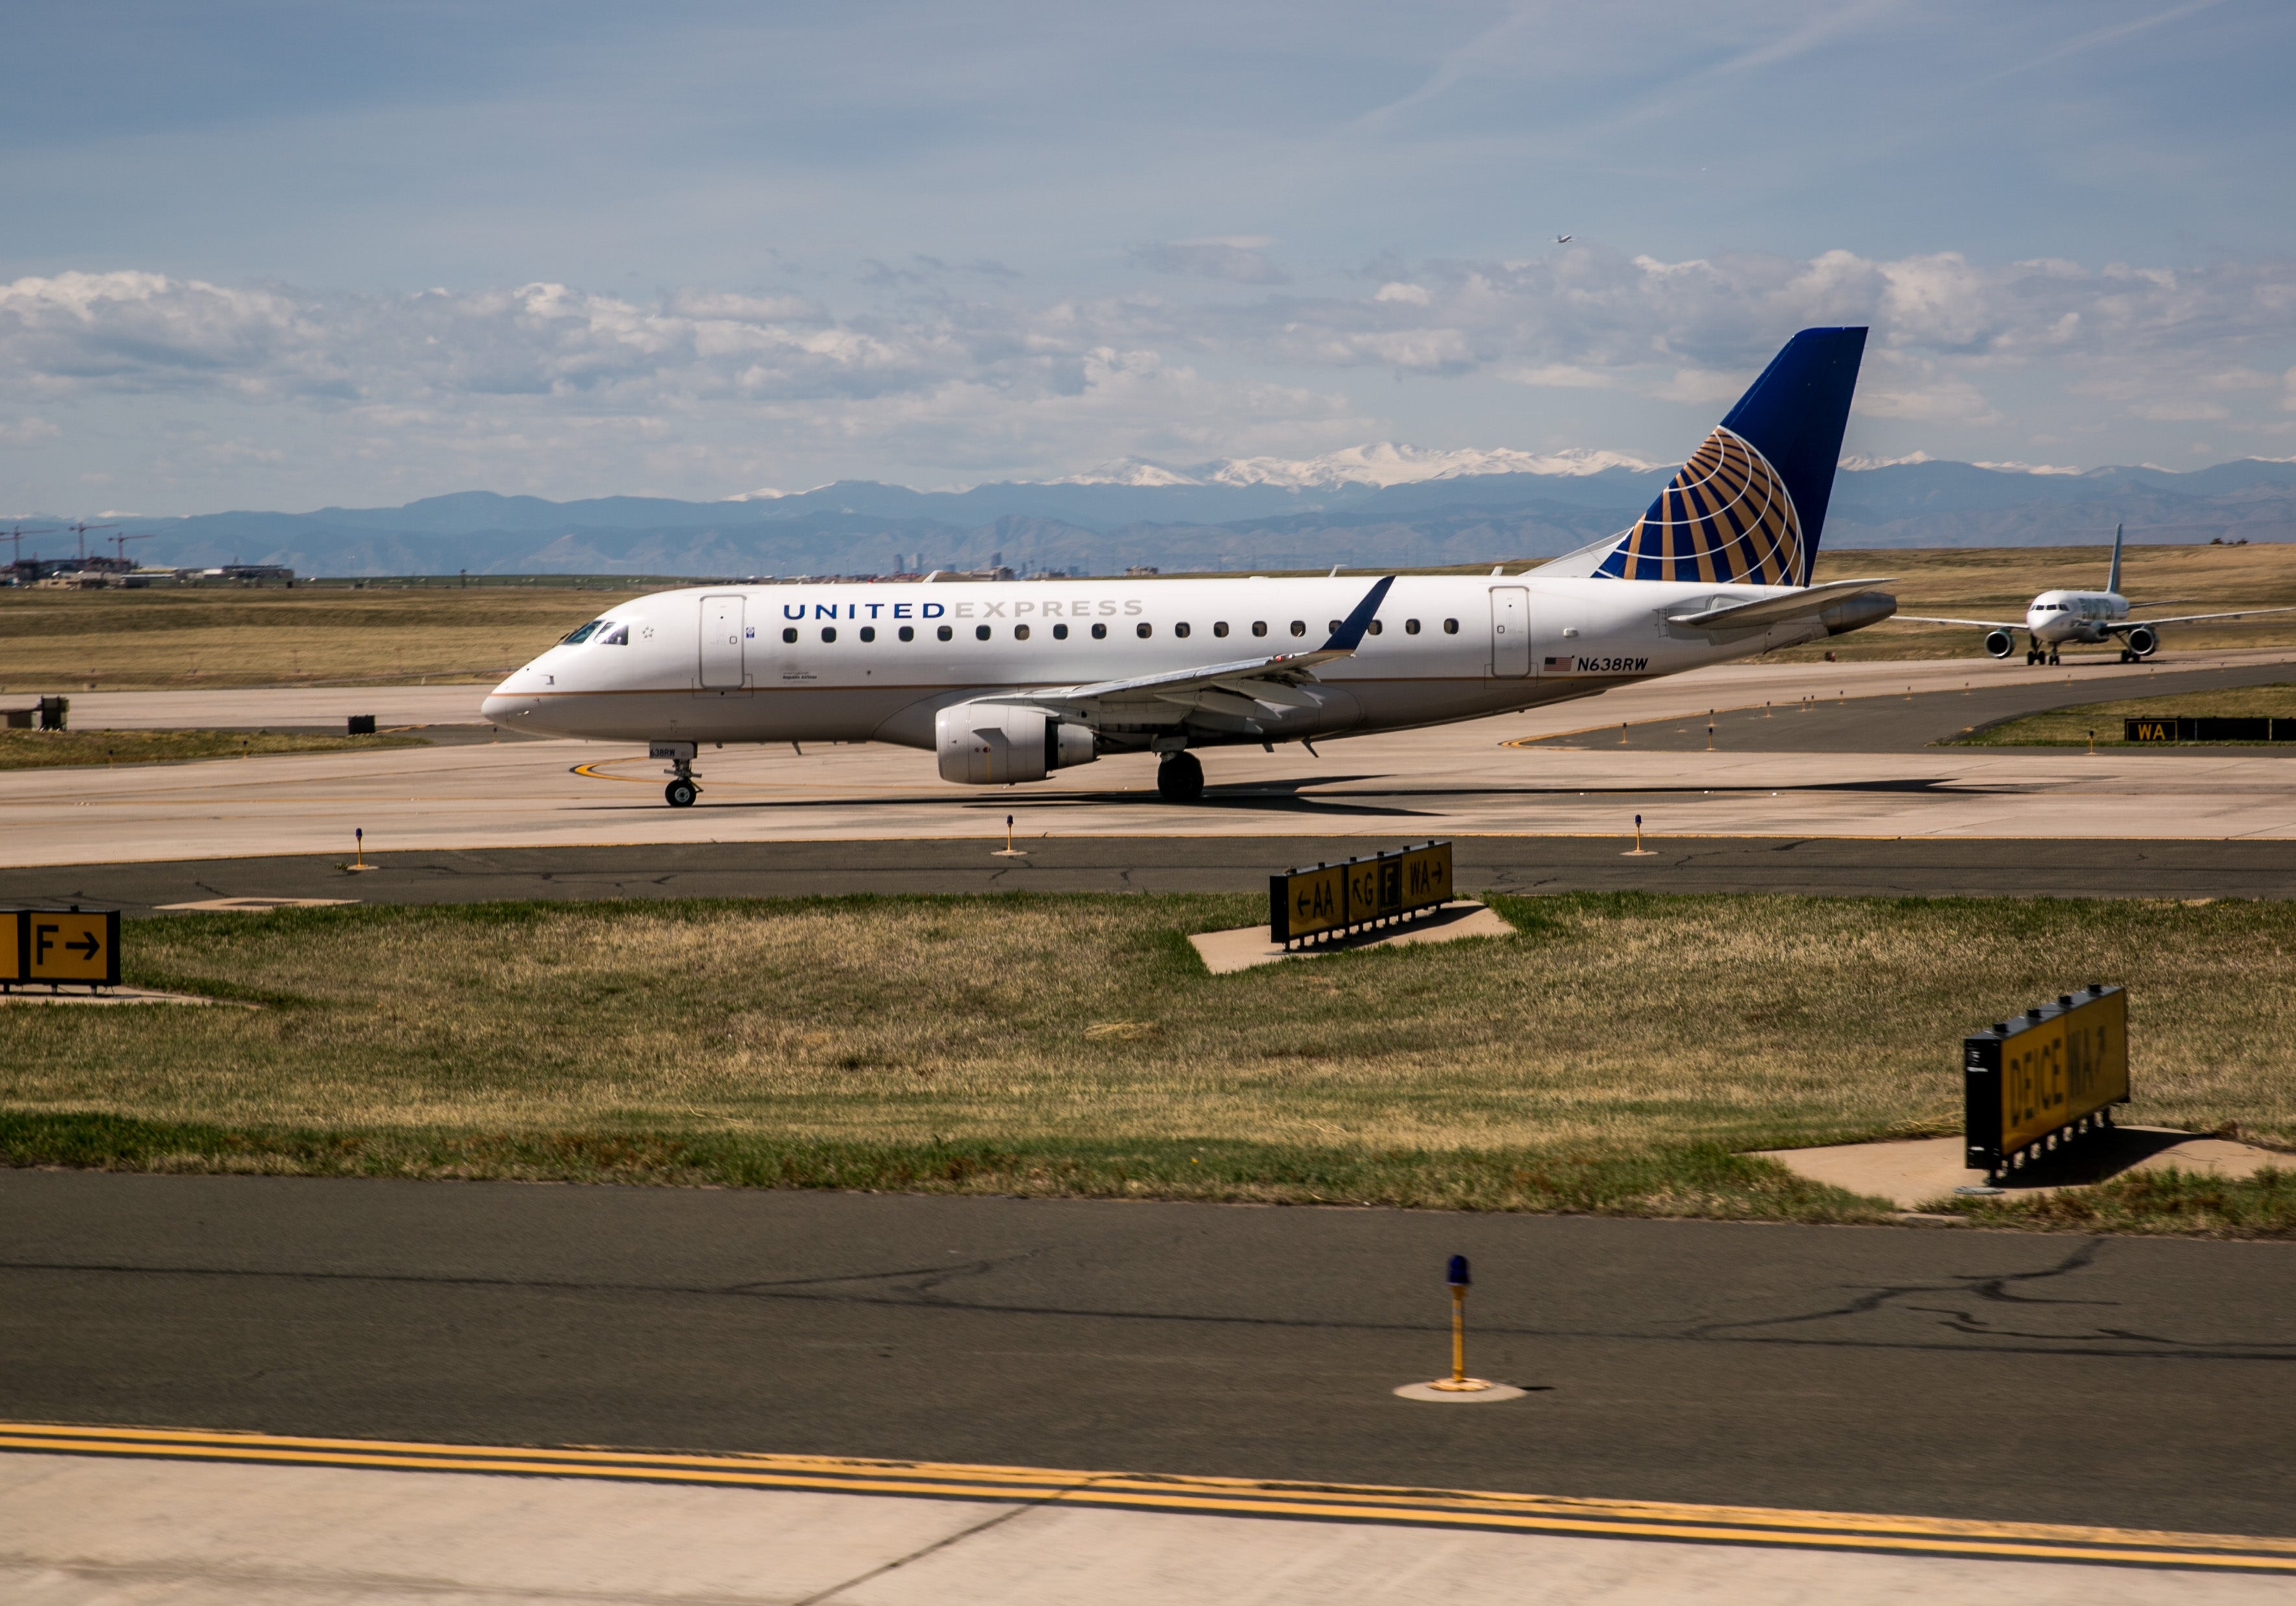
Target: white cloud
x,y
2185,411
704,389
1229,259
28,431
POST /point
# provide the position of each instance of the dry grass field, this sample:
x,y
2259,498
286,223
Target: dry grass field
x,y
2070,727
57,750
66,641
171,638
1613,1055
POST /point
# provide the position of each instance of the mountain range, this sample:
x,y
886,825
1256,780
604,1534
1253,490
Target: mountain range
x,y
1364,507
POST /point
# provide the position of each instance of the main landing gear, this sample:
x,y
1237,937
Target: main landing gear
x,y
682,792
1179,778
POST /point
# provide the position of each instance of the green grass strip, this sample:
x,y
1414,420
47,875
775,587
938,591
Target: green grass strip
x,y
1700,1180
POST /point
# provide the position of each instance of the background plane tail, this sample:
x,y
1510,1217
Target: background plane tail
x,y
1750,505
2113,580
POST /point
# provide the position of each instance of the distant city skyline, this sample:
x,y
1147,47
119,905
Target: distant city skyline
x,y
264,256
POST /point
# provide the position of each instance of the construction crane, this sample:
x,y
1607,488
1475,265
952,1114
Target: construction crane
x,y
17,536
120,543
81,529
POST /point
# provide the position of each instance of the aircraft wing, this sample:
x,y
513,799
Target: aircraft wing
x,y
1775,610
1243,688
2194,618
1923,618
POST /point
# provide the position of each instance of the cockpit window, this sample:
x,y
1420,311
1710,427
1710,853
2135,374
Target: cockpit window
x,y
580,634
616,635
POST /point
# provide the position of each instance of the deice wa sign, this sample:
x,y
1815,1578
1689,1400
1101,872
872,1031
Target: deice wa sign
x,y
2048,1077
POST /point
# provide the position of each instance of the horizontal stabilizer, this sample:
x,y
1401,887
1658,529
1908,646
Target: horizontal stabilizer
x,y
1776,609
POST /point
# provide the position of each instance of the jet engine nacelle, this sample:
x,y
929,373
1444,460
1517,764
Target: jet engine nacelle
x,y
996,744
2143,641
1856,612
1998,644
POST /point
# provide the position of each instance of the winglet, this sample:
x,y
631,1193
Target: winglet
x,y
1350,636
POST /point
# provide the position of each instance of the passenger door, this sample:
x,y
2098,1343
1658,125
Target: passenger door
x,y
723,655
1510,631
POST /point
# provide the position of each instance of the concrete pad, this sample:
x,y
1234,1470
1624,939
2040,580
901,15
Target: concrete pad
x,y
78,1531
1227,952
118,994
1435,1395
238,708
1924,1170
256,905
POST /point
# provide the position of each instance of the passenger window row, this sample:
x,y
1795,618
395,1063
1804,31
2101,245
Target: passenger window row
x,y
1143,630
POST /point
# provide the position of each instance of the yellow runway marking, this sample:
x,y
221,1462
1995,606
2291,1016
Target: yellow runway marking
x,y
1219,1496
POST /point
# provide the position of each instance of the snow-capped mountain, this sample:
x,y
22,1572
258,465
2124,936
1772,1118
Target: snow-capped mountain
x,y
1378,466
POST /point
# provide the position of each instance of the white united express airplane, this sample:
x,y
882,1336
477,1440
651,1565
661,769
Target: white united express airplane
x,y
1007,682
2057,618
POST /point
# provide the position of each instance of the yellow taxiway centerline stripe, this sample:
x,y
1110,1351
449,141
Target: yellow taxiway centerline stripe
x,y
1530,1513
764,1463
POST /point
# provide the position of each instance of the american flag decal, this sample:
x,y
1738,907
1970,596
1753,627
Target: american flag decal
x,y
1558,663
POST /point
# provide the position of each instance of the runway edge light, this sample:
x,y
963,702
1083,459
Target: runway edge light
x,y
1459,1389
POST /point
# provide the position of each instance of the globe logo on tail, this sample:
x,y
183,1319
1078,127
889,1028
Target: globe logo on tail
x,y
1726,516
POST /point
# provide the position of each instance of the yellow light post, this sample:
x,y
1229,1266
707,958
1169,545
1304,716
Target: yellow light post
x,y
1459,1382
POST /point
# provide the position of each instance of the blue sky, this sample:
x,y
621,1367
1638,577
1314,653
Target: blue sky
x,y
281,255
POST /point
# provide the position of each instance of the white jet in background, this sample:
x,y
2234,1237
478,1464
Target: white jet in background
x,y
1008,681
2056,617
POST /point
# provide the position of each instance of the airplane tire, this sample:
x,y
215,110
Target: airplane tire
x,y
1180,778
680,793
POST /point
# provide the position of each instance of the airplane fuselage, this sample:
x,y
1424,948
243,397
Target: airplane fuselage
x,y
877,662
2056,617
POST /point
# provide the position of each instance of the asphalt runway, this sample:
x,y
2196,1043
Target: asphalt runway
x,y
1912,867
2135,1383
1878,723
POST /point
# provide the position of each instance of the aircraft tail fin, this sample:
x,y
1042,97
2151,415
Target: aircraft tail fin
x,y
2113,580
1750,505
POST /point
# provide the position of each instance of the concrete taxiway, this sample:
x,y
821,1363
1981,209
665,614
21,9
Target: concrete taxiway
x,y
1913,721
1942,1374
318,1523
1460,780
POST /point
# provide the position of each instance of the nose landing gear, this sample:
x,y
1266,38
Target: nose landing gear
x,y
681,792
